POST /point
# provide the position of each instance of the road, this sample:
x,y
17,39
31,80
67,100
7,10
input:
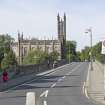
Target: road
x,y
64,86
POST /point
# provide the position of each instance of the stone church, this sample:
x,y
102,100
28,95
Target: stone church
x,y
22,46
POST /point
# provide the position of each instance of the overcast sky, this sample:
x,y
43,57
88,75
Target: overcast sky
x,y
37,18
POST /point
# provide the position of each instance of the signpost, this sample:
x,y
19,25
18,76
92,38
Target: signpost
x,y
103,52
103,47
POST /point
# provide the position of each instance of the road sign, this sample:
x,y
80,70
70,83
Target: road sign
x,y
103,47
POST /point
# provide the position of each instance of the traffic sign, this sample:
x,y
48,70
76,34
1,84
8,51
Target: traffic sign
x,y
103,47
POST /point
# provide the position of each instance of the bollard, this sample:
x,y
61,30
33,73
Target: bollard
x,y
30,98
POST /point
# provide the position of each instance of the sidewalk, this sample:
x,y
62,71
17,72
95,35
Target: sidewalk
x,y
96,83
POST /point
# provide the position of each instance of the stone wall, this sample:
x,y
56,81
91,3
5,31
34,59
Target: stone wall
x,y
20,70
25,73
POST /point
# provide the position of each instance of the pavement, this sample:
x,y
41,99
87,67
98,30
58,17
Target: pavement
x,y
63,86
95,83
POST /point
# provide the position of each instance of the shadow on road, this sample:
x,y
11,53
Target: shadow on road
x,y
43,82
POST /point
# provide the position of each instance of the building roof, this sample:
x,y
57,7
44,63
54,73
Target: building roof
x,y
37,42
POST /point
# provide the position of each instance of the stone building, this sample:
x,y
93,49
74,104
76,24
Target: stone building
x,y
22,47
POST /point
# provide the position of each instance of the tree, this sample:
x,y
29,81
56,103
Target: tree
x,y
9,60
96,52
5,42
53,56
85,54
35,57
78,56
71,51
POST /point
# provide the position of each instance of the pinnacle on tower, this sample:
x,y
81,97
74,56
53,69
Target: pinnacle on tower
x,y
22,36
18,35
58,17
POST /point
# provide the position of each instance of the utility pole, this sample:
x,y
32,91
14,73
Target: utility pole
x,y
91,56
91,49
69,53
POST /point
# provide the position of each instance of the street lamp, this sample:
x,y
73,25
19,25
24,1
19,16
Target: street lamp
x,y
91,58
69,52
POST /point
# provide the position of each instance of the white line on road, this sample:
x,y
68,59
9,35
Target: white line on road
x,y
53,70
83,89
30,98
74,69
63,77
59,79
86,84
45,93
45,102
53,85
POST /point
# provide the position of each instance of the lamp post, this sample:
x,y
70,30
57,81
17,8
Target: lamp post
x,y
91,57
69,52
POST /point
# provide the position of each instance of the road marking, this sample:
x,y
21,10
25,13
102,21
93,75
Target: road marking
x,y
85,84
63,77
30,98
45,102
53,85
45,93
74,69
53,70
59,79
83,89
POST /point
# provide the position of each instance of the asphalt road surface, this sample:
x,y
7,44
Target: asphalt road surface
x,y
64,86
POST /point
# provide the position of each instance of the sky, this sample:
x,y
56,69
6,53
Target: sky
x,y
37,18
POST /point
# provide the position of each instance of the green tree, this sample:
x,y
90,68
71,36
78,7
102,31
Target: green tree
x,y
78,56
53,56
96,52
85,54
71,51
9,60
35,57
5,42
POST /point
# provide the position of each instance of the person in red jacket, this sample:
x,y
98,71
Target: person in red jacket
x,y
5,76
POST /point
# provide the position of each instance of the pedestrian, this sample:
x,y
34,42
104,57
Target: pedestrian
x,y
5,76
53,65
48,63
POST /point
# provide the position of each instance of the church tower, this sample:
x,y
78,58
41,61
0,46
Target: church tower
x,y
61,23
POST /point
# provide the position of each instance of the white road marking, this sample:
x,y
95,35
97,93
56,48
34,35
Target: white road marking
x,y
45,93
30,98
74,69
83,89
87,83
45,102
59,79
53,70
53,85
63,77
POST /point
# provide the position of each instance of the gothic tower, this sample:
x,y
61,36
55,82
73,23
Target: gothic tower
x,y
61,23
